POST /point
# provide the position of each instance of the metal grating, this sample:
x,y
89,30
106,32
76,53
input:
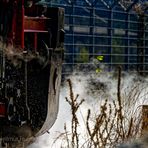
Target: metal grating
x,y
115,29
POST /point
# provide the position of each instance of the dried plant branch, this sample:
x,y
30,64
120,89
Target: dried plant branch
x,y
65,129
112,123
74,107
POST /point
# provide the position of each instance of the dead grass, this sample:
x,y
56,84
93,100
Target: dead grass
x,y
112,125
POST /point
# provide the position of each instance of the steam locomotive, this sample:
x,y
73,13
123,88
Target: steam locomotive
x,y
31,56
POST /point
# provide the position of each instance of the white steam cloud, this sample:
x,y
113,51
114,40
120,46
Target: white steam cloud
x,y
94,88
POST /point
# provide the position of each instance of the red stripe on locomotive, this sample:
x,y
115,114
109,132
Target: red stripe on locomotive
x,y
2,110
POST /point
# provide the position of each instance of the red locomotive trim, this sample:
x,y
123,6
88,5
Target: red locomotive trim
x,y
2,109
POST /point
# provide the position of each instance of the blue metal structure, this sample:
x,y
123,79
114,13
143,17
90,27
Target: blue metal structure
x,y
111,28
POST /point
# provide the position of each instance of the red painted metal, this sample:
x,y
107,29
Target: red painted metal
x,y
22,32
35,31
29,22
35,40
2,109
26,20
18,24
13,21
35,23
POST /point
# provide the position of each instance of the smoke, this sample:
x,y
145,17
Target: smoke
x,y
94,88
141,143
16,55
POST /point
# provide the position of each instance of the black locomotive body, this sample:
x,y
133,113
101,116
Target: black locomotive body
x,y
31,56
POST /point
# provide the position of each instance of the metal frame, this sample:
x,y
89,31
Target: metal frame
x,y
130,33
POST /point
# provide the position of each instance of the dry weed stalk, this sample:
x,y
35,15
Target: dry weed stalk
x,y
119,101
74,107
112,125
65,129
102,133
